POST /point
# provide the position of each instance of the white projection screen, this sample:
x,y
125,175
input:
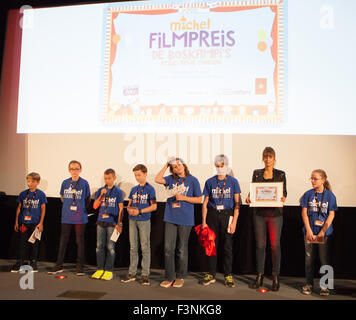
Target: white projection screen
x,y
117,84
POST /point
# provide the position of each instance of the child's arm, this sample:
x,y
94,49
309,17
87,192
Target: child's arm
x,y
119,222
18,210
97,202
204,211
327,224
309,232
193,200
43,212
152,207
160,176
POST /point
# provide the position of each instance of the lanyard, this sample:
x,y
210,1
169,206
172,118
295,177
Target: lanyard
x,y
106,199
138,196
179,183
221,190
28,203
74,188
321,202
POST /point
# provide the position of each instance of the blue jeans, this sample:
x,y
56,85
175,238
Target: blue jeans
x,y
140,231
105,248
176,241
274,226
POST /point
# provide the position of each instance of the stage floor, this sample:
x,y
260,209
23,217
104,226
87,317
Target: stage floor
x,y
48,287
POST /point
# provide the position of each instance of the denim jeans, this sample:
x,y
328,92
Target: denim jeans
x,y
105,248
79,237
139,234
274,227
176,242
23,243
218,222
310,253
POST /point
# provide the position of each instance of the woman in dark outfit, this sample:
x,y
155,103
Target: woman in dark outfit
x,y
268,218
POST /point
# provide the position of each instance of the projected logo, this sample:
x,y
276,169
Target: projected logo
x,y
200,64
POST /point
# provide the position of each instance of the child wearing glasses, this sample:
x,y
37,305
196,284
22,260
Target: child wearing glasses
x,y
318,212
75,195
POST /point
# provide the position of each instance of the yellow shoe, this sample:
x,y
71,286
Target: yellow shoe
x,y
107,275
97,274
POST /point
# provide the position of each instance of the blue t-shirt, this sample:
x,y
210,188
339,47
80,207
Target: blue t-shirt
x,y
329,204
143,195
31,206
184,215
109,207
214,188
74,195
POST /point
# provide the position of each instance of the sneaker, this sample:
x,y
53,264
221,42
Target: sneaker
x,y
129,278
16,267
34,266
107,275
145,281
166,284
178,283
79,270
324,292
97,274
229,281
208,279
307,289
56,269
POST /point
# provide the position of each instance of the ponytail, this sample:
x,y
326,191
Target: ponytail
x,y
325,177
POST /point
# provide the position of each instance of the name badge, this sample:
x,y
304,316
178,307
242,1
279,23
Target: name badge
x,y
175,205
73,208
220,207
318,223
105,216
27,218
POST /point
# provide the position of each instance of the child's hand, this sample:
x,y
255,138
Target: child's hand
x,y
16,227
40,227
180,197
310,236
118,228
248,200
103,192
133,211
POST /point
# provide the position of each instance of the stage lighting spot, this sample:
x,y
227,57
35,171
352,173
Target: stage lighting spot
x,y
61,277
263,290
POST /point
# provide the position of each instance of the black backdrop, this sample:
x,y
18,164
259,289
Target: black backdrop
x,y
343,253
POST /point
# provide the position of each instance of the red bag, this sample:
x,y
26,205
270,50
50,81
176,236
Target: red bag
x,y
206,238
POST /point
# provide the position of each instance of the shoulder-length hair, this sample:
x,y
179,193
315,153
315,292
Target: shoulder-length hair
x,y
186,170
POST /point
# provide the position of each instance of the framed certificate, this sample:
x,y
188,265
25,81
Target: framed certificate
x,y
266,194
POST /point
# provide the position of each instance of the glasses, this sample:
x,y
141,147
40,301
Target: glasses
x,y
74,169
314,179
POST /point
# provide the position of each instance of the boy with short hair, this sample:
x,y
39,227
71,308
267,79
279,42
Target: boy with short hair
x,y
75,195
111,202
142,201
30,214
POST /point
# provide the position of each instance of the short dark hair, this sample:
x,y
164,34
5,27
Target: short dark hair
x,y
110,171
75,162
140,167
269,151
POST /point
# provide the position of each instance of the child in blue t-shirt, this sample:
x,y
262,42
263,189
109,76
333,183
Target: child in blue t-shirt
x,y
110,200
318,212
75,195
220,212
178,218
142,201
30,214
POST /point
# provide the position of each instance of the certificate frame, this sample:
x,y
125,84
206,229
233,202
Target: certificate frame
x,y
266,194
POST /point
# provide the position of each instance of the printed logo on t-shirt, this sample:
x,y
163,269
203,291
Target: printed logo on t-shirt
x,y
68,193
217,192
142,198
110,201
31,204
314,206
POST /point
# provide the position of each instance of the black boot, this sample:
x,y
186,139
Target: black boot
x,y
275,283
258,282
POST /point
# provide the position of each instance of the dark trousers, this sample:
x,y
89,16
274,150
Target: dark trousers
x,y
23,243
274,227
79,236
218,222
310,253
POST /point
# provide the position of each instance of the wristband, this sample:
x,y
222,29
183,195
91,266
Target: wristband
x,y
140,212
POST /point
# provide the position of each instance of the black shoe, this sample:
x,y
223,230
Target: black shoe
x,y
33,264
275,283
258,282
16,267
56,269
79,270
